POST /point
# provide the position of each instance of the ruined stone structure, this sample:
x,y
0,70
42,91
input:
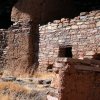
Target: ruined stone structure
x,y
23,48
61,37
47,42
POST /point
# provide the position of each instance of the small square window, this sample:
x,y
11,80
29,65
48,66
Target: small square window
x,y
65,52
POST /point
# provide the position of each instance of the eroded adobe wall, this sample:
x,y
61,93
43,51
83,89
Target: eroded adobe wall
x,y
79,84
81,33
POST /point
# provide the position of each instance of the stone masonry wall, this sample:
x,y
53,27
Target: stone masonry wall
x,y
81,33
3,44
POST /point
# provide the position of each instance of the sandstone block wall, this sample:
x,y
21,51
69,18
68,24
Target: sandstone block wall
x,y
81,33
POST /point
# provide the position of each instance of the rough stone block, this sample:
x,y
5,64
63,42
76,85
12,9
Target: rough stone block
x,y
98,24
74,27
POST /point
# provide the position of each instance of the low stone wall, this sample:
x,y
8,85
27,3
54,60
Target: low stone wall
x,y
82,34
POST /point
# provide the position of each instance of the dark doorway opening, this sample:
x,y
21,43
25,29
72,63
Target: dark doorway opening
x,y
96,56
65,52
5,13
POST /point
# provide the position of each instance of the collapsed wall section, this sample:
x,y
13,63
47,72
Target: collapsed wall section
x,y
79,36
